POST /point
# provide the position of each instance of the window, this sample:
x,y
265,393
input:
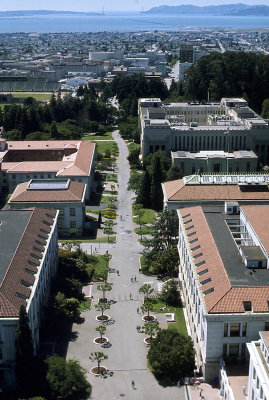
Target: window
x,y
266,326
224,350
234,349
203,272
72,224
206,281
247,305
225,333
244,329
60,223
243,349
61,209
72,212
234,329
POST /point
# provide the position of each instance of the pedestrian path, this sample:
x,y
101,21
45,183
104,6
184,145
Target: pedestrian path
x,y
127,360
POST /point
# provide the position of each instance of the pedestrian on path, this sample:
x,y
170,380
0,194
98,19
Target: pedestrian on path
x,y
135,279
118,272
130,296
133,384
131,279
137,310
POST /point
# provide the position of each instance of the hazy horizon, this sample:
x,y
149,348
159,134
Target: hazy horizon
x,y
113,5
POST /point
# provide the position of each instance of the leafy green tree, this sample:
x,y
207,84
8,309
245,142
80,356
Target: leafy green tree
x,y
146,290
67,308
174,173
165,262
101,307
265,109
99,220
108,230
101,329
98,356
156,194
66,379
133,157
105,288
170,293
151,329
171,356
147,307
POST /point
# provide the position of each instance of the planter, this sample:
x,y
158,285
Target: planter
x,y
102,318
147,340
98,340
148,318
102,371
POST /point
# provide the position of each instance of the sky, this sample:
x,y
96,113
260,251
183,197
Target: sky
x,y
110,5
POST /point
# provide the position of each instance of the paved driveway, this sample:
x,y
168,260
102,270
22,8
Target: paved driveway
x,y
127,355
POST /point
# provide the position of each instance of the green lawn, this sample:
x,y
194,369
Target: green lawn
x,y
90,240
179,324
108,199
148,216
111,177
145,230
103,146
100,268
95,136
143,266
37,96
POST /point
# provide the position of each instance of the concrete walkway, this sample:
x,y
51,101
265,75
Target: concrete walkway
x,y
127,355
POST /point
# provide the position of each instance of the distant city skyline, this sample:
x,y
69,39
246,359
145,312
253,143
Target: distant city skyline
x,y
112,5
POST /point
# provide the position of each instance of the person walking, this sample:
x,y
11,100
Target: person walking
x,y
137,310
133,384
130,296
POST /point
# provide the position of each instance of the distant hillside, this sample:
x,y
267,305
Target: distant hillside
x,y
225,9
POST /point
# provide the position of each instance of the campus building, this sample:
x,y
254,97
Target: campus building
x,y
258,379
214,161
224,261
21,161
29,260
216,189
64,195
229,125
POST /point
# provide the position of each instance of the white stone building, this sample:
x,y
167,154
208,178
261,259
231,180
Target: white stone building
x,y
258,380
225,296
228,126
29,261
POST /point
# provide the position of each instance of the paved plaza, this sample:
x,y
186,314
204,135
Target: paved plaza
x,y
127,356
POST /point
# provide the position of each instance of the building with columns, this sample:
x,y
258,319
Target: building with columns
x,y
229,125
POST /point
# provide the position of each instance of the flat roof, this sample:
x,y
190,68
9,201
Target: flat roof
x,y
12,226
238,273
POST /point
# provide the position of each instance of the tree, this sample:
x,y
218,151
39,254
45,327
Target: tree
x,y
147,307
54,134
66,379
165,262
156,195
146,290
67,308
151,329
25,360
171,356
101,307
101,329
170,293
108,230
98,356
265,109
133,157
105,288
164,235
143,192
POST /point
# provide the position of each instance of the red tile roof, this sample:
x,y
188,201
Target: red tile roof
x,y
224,298
177,191
74,193
12,285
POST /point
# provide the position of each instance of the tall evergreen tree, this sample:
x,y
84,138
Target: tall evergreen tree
x,y
24,352
143,196
53,130
156,194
